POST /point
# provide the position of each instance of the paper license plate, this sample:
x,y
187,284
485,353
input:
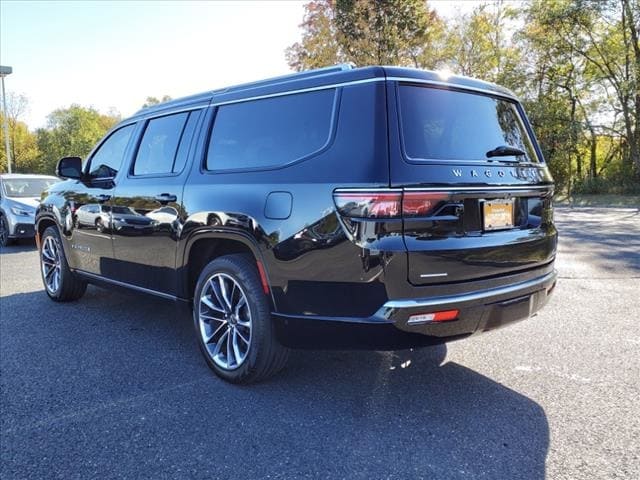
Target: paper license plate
x,y
497,214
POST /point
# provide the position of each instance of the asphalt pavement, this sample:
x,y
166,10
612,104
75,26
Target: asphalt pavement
x,y
114,386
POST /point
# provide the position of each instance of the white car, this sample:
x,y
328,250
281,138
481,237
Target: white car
x,y
19,198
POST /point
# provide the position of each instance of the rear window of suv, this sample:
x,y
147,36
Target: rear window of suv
x,y
270,132
439,124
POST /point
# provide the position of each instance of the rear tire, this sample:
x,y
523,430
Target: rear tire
x,y
232,318
5,240
60,283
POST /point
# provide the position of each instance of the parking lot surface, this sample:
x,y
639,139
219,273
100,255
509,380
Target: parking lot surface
x,y
114,386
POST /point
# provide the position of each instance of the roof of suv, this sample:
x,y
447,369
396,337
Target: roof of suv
x,y
338,74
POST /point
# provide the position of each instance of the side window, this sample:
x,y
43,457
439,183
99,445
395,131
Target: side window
x,y
270,132
161,150
106,162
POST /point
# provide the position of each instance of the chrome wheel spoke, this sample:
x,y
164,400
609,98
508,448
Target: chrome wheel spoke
x,y
207,301
211,317
236,349
225,294
241,303
50,261
218,296
237,332
229,350
208,338
225,321
219,343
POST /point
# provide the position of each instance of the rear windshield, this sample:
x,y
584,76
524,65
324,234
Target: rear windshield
x,y
440,124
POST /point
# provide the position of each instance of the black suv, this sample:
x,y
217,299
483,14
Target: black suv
x,y
375,207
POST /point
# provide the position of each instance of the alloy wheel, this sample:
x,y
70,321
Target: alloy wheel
x,y
225,321
50,262
4,231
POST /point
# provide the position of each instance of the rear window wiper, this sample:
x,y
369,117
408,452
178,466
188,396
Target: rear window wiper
x,y
505,151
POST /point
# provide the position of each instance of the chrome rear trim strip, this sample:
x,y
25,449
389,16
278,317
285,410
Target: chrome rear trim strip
x,y
469,297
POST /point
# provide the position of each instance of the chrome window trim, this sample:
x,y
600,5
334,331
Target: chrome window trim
x,y
437,83
295,92
165,113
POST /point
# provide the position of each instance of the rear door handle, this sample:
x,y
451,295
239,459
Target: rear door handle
x,y
104,198
166,198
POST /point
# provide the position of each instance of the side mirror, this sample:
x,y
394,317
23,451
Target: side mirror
x,y
69,167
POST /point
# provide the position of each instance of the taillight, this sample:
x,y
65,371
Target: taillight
x,y
388,203
369,204
422,204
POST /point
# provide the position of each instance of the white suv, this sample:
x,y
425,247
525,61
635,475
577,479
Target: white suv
x,y
19,197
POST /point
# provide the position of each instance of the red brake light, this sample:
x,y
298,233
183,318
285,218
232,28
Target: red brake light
x,y
373,204
422,204
388,203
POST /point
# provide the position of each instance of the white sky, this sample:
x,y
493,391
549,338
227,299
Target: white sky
x,y
113,54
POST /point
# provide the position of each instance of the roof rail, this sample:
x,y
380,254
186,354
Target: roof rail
x,y
285,78
247,86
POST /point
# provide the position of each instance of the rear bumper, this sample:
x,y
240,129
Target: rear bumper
x,y
389,327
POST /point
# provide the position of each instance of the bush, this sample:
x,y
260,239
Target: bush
x,y
600,186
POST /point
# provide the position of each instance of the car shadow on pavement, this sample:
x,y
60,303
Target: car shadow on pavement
x,y
116,381
19,246
416,414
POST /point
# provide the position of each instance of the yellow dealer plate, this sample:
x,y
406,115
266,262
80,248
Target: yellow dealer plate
x,y
497,214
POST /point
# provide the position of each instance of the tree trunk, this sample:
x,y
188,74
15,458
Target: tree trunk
x,y
593,167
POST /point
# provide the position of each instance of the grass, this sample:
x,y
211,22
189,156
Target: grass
x,y
604,200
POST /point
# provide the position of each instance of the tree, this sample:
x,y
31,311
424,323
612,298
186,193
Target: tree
x,y
23,146
71,131
319,46
385,32
604,33
480,45
150,101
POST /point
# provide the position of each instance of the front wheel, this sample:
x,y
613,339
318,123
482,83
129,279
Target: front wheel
x,y
233,322
60,283
5,240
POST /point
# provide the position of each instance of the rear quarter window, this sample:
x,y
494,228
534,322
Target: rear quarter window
x,y
439,124
271,132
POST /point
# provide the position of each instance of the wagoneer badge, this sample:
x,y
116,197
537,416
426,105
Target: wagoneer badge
x,y
521,173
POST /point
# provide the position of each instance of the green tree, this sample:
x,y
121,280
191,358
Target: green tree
x,y
385,32
71,131
150,101
23,146
604,33
480,45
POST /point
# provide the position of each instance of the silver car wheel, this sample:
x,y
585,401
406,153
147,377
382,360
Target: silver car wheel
x,y
50,263
225,321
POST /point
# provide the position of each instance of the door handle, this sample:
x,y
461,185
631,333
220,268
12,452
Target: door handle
x,y
104,198
166,198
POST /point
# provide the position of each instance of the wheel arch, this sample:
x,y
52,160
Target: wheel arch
x,y
42,223
205,245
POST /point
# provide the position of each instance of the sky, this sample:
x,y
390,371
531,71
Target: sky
x,y
113,54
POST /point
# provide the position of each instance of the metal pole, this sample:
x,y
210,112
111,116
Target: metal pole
x,y
5,121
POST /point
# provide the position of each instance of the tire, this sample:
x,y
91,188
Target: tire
x,y
5,240
53,261
218,310
100,225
